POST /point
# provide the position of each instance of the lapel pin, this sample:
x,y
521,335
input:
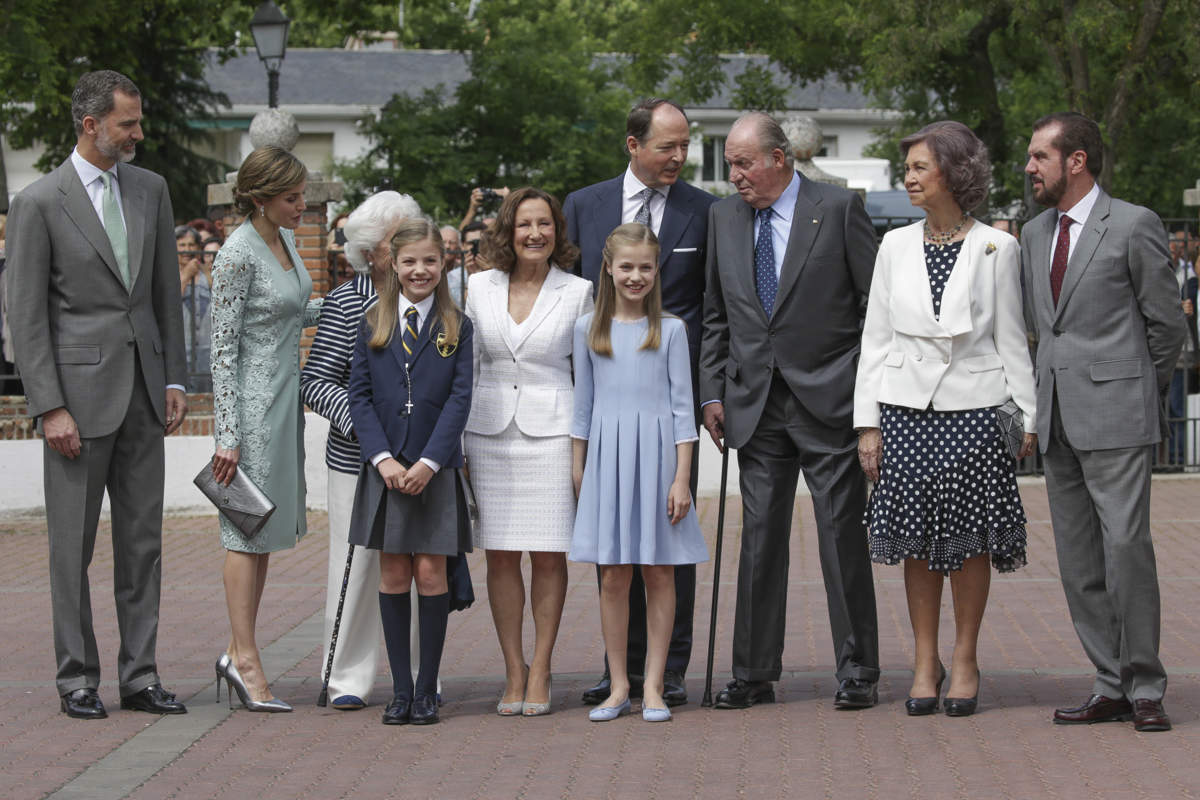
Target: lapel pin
x,y
991,248
815,221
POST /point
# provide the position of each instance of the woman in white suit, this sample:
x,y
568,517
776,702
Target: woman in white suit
x,y
517,445
943,345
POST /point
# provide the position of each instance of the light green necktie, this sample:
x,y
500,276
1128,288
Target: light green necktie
x,y
114,226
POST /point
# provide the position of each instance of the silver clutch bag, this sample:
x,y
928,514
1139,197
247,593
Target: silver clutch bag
x,y
1012,434
242,502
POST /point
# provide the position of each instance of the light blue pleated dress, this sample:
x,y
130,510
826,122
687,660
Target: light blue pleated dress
x,y
633,408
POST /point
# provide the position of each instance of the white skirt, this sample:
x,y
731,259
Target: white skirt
x,y
523,489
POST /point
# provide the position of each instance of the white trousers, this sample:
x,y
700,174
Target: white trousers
x,y
356,658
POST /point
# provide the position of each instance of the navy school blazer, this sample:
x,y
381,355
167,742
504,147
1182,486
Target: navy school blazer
x,y
441,396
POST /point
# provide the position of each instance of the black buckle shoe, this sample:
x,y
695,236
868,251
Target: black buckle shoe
x,y
856,693
397,711
424,711
83,704
154,699
674,688
743,694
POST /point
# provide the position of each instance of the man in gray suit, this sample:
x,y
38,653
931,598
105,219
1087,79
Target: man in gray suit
x,y
1102,301
789,269
97,324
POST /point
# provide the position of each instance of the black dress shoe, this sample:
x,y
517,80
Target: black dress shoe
x,y
743,694
83,704
597,694
674,688
397,711
424,711
856,693
154,699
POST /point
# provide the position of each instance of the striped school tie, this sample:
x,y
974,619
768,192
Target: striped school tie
x,y
409,337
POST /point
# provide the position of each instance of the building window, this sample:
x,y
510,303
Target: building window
x,y
714,168
829,147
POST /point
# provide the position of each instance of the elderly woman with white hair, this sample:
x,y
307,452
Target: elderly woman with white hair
x,y
323,386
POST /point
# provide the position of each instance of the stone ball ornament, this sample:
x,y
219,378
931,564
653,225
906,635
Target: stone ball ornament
x,y
274,127
804,135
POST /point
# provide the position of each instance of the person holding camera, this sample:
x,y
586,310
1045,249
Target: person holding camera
x,y
480,198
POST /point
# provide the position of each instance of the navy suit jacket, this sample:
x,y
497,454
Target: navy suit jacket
x,y
593,212
441,394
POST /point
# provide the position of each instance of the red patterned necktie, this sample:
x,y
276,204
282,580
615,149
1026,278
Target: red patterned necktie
x,y
1062,249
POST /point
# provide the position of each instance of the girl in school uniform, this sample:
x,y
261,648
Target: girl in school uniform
x,y
410,393
633,431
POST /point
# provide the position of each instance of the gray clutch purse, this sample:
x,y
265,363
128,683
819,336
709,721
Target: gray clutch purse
x,y
1012,434
242,502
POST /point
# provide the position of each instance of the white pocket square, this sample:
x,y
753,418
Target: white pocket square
x,y
685,250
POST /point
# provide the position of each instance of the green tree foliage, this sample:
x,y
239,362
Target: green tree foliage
x,y
47,46
539,107
995,65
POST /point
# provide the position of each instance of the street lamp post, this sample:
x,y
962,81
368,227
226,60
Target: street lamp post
x,y
269,27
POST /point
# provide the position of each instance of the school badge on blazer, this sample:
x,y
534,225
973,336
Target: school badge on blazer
x,y
445,349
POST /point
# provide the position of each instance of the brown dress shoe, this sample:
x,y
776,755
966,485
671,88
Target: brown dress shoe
x,y
1148,715
1098,708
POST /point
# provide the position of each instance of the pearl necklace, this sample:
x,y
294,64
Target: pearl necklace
x,y
943,239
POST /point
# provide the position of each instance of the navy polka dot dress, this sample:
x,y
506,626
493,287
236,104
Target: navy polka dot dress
x,y
947,486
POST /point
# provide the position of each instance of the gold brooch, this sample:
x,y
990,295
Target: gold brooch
x,y
445,349
991,248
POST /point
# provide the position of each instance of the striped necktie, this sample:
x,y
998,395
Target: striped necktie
x,y
409,337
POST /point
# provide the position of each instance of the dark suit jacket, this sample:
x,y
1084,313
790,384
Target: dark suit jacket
x,y
77,330
593,212
812,336
441,394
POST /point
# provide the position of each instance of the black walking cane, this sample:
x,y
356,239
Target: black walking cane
x,y
712,621
323,698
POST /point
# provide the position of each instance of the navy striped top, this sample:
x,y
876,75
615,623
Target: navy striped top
x,y
326,374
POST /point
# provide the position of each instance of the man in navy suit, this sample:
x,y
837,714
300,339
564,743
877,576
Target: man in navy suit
x,y
650,191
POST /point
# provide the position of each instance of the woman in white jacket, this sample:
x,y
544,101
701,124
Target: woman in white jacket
x,y
943,345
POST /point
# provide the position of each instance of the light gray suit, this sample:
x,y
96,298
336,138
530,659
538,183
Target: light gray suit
x,y
1104,358
787,384
106,353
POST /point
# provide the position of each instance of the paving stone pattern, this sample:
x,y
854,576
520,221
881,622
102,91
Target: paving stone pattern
x,y
800,747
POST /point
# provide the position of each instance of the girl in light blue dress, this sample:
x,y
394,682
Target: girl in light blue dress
x,y
633,431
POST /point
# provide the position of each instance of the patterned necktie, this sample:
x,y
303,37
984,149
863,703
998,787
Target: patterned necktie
x,y
764,262
643,214
1062,249
409,337
114,226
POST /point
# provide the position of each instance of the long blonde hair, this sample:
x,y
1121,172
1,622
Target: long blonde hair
x,y
631,234
385,314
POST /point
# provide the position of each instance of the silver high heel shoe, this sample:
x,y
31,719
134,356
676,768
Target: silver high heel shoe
x,y
233,682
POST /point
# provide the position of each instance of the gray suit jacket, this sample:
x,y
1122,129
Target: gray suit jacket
x,y
1109,347
76,328
812,336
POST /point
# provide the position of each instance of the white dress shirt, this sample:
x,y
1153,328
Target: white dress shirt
x,y
423,307
89,175
631,201
1078,214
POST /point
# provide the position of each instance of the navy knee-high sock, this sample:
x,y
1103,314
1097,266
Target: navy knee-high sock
x,y
396,613
432,610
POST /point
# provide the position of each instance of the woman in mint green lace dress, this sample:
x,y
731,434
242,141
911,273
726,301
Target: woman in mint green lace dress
x,y
260,305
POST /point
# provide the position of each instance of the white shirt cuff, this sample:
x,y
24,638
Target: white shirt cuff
x,y
178,386
378,457
433,465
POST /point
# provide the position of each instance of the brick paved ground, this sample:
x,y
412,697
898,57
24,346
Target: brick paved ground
x,y
798,748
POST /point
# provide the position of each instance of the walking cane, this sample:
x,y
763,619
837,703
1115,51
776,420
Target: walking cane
x,y
323,698
712,621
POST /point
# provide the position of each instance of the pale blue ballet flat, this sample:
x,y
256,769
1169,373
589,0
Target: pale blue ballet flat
x,y
606,713
656,714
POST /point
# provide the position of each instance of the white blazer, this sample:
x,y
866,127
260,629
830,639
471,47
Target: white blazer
x,y
976,355
525,373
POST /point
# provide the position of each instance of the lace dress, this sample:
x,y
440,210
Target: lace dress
x,y
258,312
